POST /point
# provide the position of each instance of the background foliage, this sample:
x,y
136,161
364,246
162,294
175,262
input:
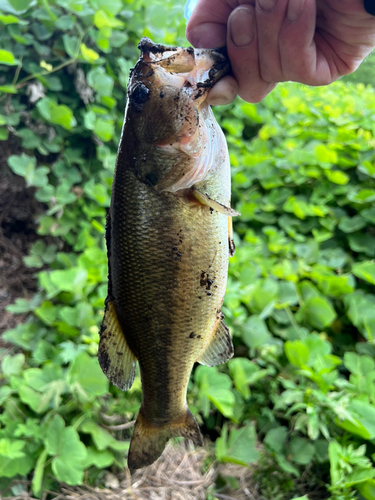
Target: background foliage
x,y
300,302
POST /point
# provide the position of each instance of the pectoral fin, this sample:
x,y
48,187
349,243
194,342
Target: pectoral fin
x,y
204,199
220,348
115,357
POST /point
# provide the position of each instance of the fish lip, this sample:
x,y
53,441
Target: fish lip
x,y
153,53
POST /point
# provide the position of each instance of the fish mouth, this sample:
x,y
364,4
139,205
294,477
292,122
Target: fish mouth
x,y
198,69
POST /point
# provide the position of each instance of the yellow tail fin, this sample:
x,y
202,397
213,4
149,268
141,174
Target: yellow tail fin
x,y
149,439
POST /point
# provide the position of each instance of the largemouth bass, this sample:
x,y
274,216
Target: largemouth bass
x,y
168,238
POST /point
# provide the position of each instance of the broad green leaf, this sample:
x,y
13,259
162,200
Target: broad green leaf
x,y
104,129
9,19
102,438
365,270
301,450
59,114
297,353
7,58
319,312
88,54
217,388
337,177
11,449
256,332
100,459
275,439
86,378
367,489
12,365
351,224
240,446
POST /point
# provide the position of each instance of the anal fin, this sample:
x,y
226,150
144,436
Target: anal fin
x,y
115,357
204,199
220,348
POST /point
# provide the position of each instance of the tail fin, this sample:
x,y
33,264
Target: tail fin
x,y
149,439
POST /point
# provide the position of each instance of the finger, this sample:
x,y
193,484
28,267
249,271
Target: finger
x,y
242,45
299,61
270,16
223,92
207,26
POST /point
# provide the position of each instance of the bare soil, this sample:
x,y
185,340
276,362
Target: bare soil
x,y
18,211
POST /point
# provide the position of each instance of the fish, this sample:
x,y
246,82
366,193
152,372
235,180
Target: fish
x,y
169,236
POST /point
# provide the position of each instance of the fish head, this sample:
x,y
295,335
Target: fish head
x,y
170,123
167,87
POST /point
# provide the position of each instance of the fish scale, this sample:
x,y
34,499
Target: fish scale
x,y
168,243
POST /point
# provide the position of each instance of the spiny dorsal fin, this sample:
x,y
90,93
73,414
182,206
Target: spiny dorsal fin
x,y
220,348
115,357
204,199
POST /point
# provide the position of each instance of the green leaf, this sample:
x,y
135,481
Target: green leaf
x,y
102,438
326,155
351,224
365,270
217,388
104,129
12,365
88,54
301,450
105,22
7,58
337,177
20,5
18,466
297,353
86,378
59,114
276,438
367,489
244,372
11,449
9,19
100,459
256,332
240,446
68,451
319,312
71,45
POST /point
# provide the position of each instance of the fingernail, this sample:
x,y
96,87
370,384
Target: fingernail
x,y
241,26
267,5
218,100
295,9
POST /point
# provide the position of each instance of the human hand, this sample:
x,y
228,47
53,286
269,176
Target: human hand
x,y
314,42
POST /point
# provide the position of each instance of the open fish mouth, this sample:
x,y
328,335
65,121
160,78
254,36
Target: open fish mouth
x,y
195,71
201,68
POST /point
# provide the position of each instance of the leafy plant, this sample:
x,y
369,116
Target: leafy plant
x,y
298,397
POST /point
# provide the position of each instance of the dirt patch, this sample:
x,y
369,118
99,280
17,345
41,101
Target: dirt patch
x,y
180,473
18,210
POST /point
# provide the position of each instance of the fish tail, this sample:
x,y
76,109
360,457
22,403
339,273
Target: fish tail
x,y
149,439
